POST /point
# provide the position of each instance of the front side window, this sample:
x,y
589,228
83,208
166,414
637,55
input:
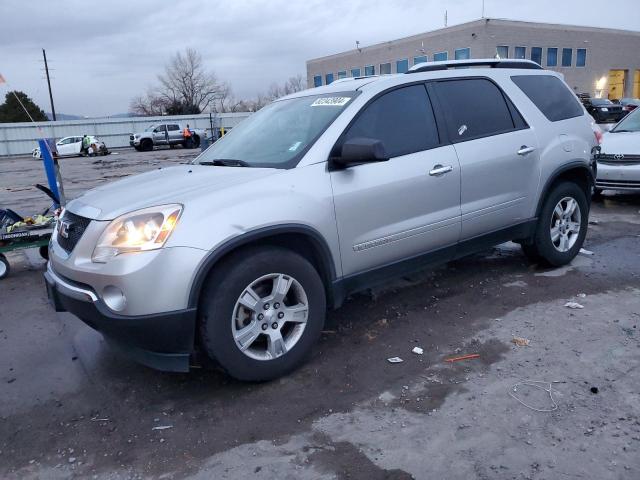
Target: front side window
x,y
279,134
536,55
581,57
474,108
385,68
552,57
420,59
567,57
401,119
550,95
502,51
159,129
342,74
441,57
355,72
402,65
462,54
370,70
520,53
328,78
317,81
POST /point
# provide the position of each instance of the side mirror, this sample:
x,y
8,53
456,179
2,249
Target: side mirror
x,y
360,150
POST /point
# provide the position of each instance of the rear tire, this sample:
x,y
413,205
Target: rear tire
x,y
562,226
267,349
5,269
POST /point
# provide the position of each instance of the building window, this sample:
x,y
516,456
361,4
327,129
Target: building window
x,y
328,78
355,72
502,51
581,57
317,81
342,74
520,53
420,59
370,70
402,65
567,57
385,68
552,57
536,55
441,57
462,54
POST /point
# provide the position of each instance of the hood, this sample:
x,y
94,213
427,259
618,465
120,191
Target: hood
x,y
627,143
159,187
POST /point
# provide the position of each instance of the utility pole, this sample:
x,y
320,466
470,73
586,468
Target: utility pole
x,y
46,68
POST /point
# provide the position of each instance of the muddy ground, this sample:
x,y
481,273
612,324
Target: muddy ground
x,y
70,407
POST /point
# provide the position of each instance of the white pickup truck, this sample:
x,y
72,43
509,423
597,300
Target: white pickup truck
x,y
166,134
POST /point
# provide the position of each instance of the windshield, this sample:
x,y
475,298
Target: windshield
x,y
279,134
630,123
150,127
601,101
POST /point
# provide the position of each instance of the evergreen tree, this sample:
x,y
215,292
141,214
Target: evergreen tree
x,y
11,111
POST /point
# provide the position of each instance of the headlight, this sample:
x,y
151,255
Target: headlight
x,y
138,231
136,136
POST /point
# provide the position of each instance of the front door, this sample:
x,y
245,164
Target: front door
x,y
409,205
160,135
498,154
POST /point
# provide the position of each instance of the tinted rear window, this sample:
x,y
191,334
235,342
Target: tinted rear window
x,y
474,108
550,95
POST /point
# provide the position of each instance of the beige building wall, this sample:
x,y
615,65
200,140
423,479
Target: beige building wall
x,y
607,49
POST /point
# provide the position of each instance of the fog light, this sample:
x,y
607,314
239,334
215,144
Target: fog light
x,y
114,298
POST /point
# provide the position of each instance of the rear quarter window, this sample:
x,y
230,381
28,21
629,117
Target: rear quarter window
x,y
550,95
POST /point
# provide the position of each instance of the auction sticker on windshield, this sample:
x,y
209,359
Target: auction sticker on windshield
x,y
330,101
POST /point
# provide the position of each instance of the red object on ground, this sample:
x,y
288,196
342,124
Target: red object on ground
x,y
462,357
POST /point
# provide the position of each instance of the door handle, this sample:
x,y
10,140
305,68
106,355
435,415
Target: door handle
x,y
440,170
524,150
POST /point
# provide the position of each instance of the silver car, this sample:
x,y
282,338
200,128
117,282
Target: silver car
x,y
619,157
321,194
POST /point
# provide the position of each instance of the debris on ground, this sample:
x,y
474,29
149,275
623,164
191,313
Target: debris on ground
x,y
574,305
536,384
594,390
418,350
520,341
581,295
462,357
584,251
96,419
162,427
395,360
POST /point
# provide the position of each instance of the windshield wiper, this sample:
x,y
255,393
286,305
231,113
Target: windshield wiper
x,y
622,130
223,162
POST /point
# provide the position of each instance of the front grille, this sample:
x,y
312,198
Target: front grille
x,y
614,159
74,227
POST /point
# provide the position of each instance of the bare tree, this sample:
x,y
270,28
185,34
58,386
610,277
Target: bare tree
x,y
185,87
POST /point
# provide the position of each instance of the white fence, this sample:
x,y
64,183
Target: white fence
x,y
22,138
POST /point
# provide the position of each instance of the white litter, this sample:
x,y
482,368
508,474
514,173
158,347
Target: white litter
x,y
395,360
581,295
418,350
584,251
162,427
573,305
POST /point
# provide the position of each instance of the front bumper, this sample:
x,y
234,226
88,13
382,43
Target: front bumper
x,y
618,177
163,341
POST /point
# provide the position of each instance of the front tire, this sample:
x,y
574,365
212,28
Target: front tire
x,y
4,267
146,145
262,310
562,226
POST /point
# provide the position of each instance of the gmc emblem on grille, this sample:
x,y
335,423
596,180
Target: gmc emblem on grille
x,y
618,156
64,229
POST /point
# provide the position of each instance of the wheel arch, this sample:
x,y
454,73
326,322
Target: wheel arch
x,y
302,239
577,172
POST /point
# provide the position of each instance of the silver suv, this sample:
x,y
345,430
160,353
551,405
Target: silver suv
x,y
320,194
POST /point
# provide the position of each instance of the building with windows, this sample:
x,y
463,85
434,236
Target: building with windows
x,y
599,61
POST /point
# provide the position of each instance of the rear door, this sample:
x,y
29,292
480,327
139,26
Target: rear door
x,y
175,134
498,154
395,210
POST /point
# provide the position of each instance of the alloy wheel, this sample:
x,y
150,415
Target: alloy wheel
x,y
565,224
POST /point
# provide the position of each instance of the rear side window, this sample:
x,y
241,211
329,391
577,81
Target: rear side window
x,y
402,119
550,95
172,128
474,108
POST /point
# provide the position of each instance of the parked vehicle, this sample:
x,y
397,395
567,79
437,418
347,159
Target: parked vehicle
x,y
171,134
604,110
72,146
629,104
619,157
320,194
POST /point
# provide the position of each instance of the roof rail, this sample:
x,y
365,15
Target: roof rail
x,y
482,62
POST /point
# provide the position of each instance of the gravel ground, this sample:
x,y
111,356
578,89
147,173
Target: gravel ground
x,y
73,408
